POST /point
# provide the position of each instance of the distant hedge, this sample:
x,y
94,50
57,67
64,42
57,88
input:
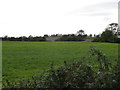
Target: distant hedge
x,y
30,38
72,37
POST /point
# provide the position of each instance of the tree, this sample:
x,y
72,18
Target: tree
x,y
94,35
80,32
90,35
113,27
46,35
108,36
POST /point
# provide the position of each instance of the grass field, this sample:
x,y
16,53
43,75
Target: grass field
x,y
25,59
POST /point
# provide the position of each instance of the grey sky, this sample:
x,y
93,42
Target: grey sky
x,y
98,9
39,17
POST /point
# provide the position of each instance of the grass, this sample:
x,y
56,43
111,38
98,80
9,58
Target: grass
x,y
25,59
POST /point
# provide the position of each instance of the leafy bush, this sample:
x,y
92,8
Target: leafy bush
x,y
75,75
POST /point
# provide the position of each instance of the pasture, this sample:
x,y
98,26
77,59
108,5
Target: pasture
x,y
25,59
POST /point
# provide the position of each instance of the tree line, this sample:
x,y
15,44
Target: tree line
x,y
24,38
79,36
72,37
109,35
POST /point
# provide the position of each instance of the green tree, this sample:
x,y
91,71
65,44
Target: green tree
x,y
81,32
90,35
108,36
113,27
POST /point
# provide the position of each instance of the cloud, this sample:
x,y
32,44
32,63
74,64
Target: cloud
x,y
98,9
96,14
106,5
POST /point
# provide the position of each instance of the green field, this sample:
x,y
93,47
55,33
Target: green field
x,y
25,59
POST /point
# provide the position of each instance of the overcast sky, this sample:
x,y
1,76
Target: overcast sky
x,y
39,17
